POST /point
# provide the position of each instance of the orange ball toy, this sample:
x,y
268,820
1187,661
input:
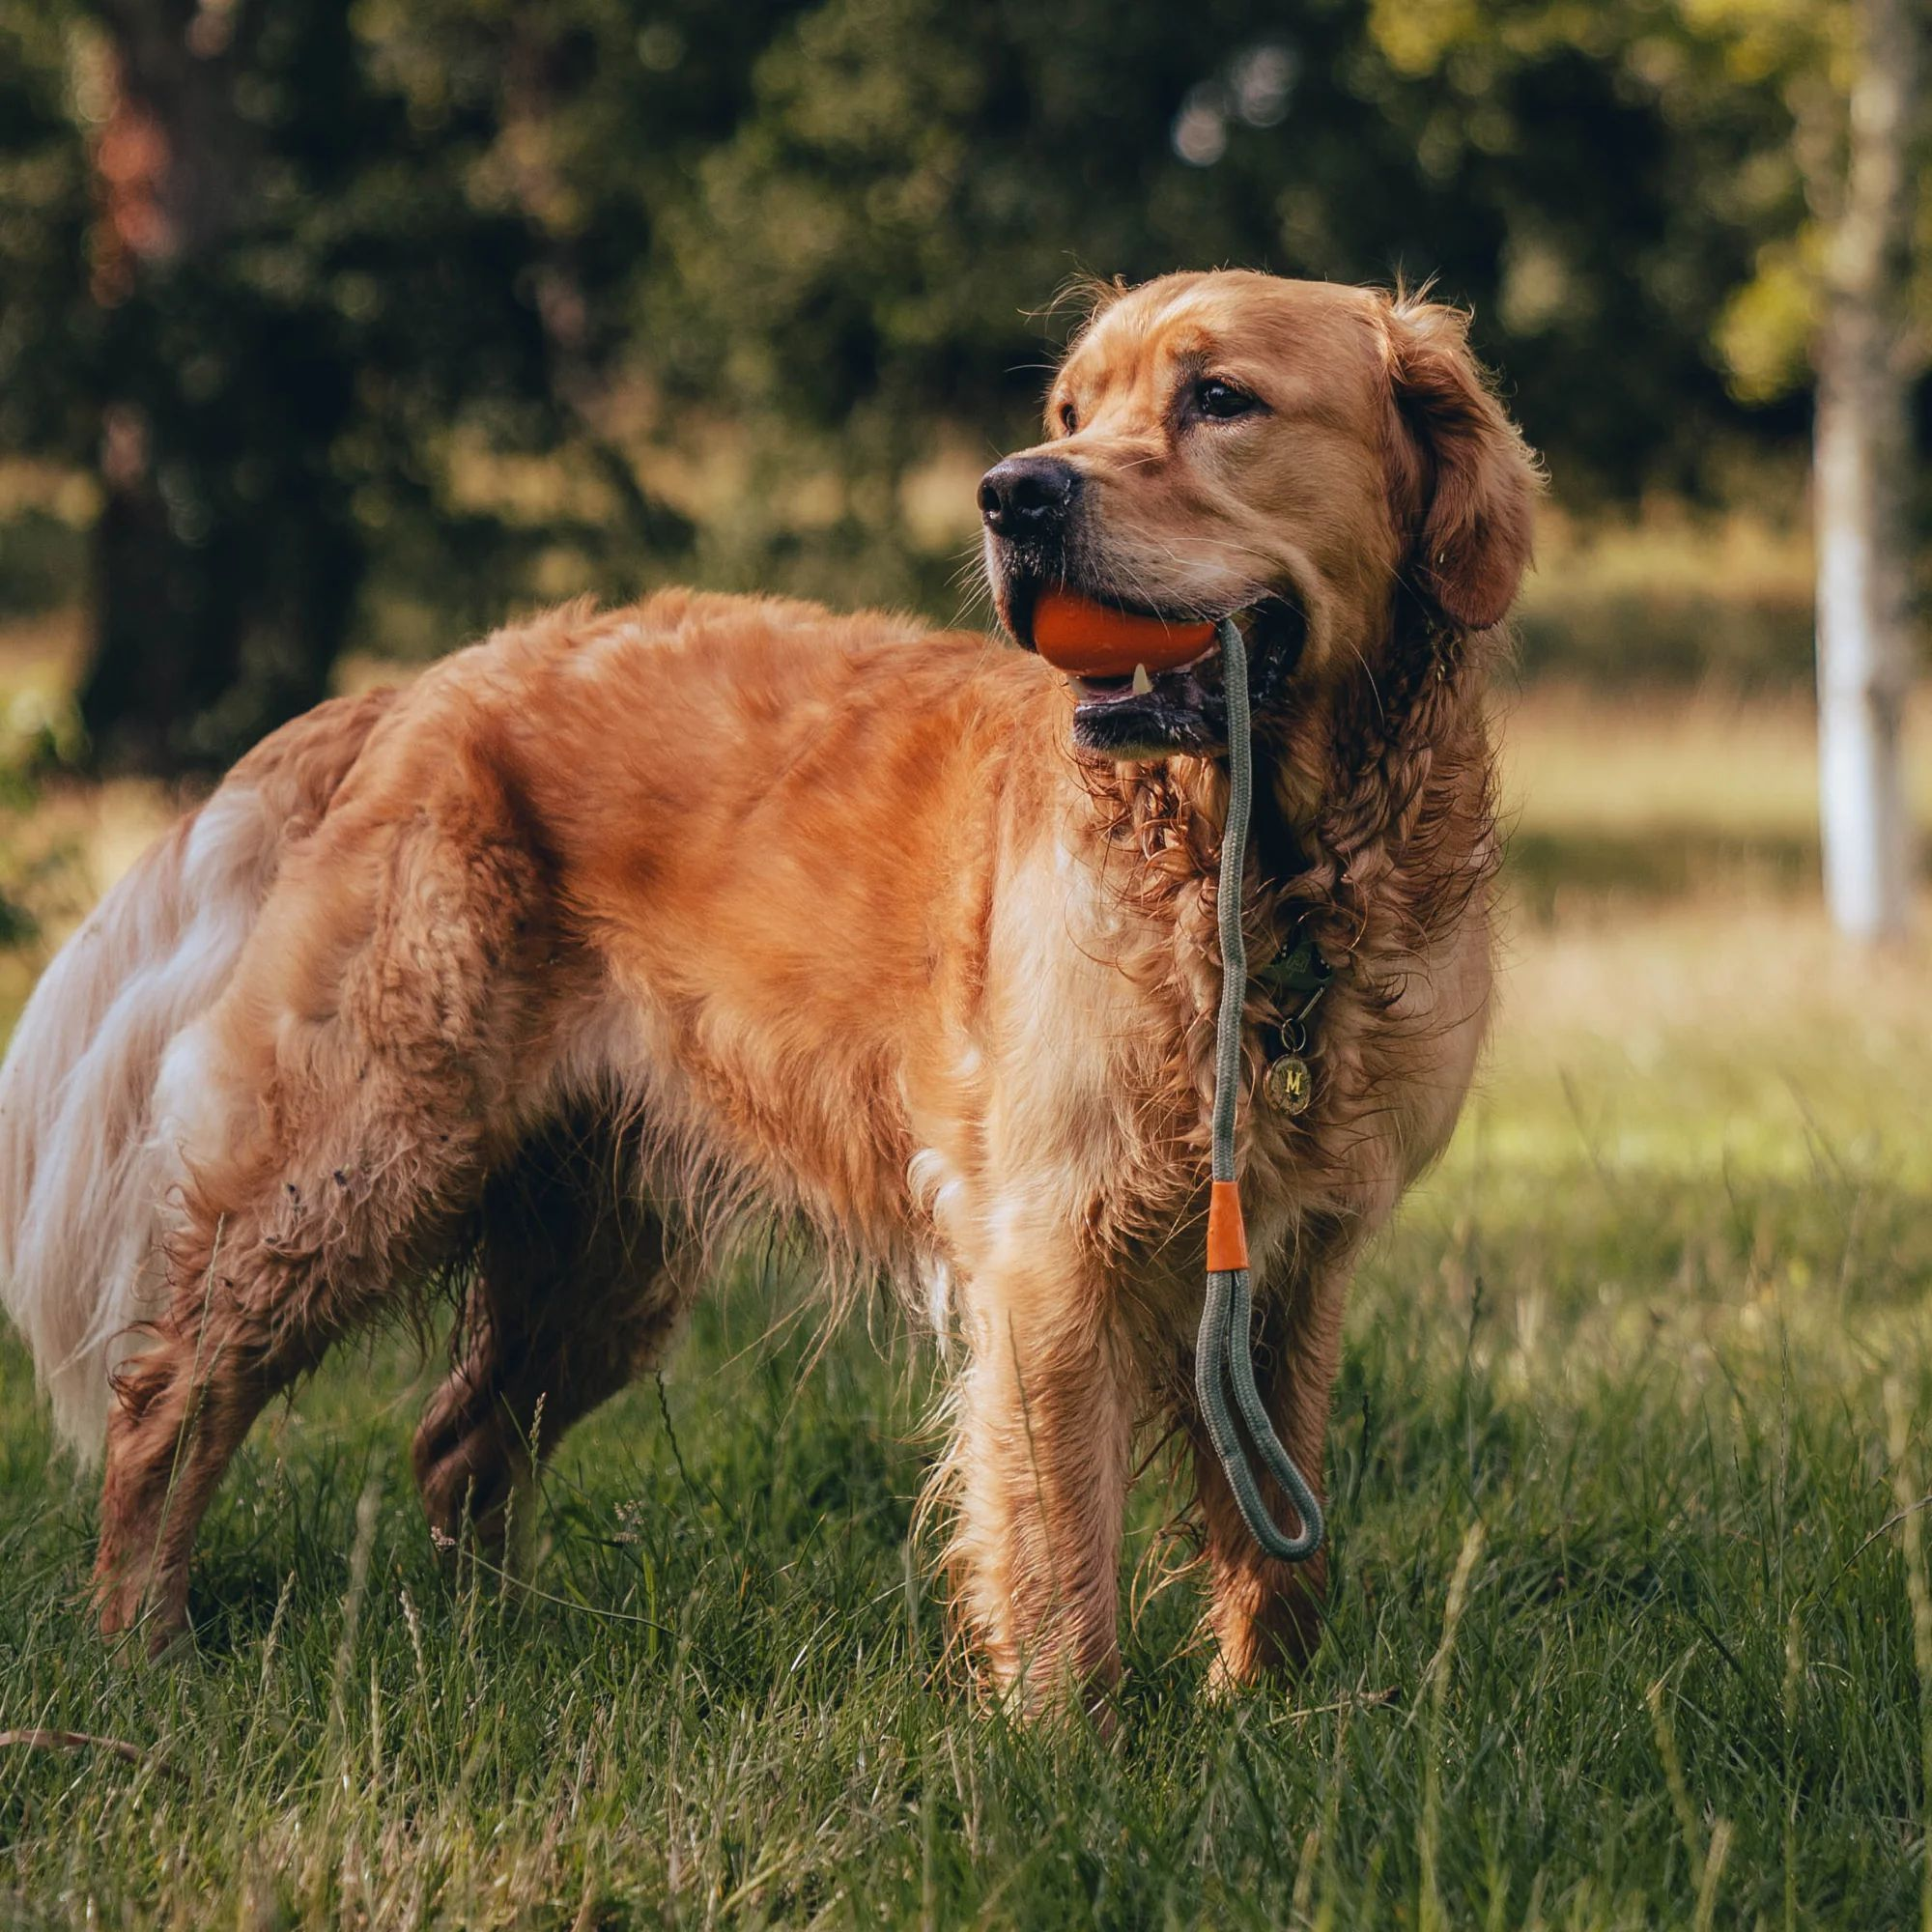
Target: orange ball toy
x,y
1089,639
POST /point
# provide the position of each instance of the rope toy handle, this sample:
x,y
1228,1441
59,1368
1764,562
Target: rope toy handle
x,y
1223,1358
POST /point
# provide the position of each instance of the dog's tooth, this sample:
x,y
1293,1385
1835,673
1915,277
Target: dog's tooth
x,y
1143,683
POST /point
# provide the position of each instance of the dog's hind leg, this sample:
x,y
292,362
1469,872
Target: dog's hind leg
x,y
337,1113
571,1301
259,1288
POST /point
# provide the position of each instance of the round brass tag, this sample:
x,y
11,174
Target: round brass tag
x,y
1288,1086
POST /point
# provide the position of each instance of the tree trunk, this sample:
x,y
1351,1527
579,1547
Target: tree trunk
x,y
1860,485
225,558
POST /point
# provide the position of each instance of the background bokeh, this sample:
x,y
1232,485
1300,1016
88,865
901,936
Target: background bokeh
x,y
334,327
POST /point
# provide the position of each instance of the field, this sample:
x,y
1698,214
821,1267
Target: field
x,y
1626,1463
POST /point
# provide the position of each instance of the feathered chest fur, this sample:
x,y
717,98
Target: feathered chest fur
x,y
1368,919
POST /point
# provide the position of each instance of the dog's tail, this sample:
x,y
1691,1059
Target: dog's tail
x,y
86,1166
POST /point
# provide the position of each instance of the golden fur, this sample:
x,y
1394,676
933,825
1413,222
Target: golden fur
x,y
722,905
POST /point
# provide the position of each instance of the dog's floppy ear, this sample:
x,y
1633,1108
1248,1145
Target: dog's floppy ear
x,y
1469,497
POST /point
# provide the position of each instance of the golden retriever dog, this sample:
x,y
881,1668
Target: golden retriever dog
x,y
619,928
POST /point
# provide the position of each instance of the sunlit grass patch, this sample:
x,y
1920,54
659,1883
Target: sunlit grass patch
x,y
1659,795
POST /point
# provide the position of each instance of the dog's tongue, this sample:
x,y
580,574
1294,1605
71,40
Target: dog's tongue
x,y
1089,640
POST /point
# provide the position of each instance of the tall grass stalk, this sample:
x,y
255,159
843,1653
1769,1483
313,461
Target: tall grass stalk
x,y
1912,1504
1430,1914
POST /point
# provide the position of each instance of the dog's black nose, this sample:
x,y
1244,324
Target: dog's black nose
x,y
1028,495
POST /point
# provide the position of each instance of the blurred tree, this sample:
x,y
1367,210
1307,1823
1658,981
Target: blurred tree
x,y
1860,484
855,257
288,279
315,248
225,559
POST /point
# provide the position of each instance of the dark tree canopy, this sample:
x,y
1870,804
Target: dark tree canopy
x,y
284,277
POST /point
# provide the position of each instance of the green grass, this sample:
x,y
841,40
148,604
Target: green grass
x,y
1637,1328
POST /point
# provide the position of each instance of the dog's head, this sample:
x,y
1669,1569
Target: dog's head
x,y
1286,452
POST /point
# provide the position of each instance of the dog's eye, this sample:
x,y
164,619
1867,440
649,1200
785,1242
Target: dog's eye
x,y
1221,400
1070,418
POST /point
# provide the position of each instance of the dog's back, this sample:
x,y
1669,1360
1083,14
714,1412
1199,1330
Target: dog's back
x,y
85,1165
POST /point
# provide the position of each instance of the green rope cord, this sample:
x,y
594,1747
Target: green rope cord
x,y
1223,1359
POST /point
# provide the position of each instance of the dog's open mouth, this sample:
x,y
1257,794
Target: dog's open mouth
x,y
1182,707
1141,682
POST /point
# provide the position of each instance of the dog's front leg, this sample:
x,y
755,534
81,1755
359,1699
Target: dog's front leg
x,y
1265,1615
1040,1472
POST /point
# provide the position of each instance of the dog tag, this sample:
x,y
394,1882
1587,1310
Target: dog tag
x,y
1288,1086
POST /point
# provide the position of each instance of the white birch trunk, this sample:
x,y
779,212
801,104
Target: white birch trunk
x,y
1861,480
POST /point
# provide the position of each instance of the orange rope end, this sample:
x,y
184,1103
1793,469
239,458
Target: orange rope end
x,y
1227,1232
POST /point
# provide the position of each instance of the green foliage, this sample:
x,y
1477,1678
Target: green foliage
x,y
735,279
42,221
906,179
